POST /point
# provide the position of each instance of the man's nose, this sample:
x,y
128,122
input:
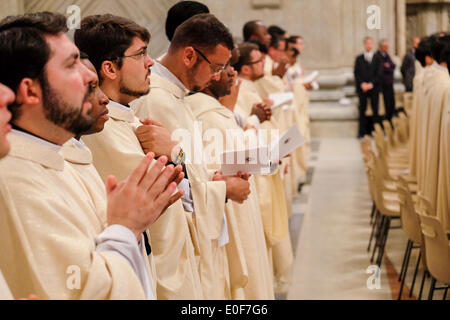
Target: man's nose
x,y
88,75
216,77
149,62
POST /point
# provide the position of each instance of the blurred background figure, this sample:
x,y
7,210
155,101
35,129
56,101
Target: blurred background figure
x,y
387,80
408,68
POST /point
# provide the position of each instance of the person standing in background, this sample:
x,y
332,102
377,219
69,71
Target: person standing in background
x,y
368,72
408,68
387,80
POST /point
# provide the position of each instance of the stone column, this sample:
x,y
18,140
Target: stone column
x,y
401,28
444,17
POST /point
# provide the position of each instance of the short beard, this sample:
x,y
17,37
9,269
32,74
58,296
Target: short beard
x,y
62,114
125,90
191,78
218,89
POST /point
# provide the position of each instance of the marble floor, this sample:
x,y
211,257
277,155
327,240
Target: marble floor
x,y
330,231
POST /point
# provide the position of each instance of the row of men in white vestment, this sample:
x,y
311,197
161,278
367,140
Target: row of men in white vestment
x,y
98,200
429,147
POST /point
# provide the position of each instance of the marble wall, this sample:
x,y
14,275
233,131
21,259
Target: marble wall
x,y
333,29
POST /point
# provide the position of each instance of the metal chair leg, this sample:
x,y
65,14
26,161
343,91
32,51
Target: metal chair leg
x,y
444,297
425,274
433,284
383,244
404,260
372,234
377,236
372,213
415,274
408,256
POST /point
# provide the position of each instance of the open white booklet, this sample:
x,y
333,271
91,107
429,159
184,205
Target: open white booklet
x,y
264,159
280,99
5,293
311,77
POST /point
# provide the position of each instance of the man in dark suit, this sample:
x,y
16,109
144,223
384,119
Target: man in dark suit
x,y
408,68
368,73
387,80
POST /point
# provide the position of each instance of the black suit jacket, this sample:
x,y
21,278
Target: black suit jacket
x,y
408,69
368,72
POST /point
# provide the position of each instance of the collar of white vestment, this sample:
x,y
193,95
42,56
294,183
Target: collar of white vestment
x,y
29,147
248,85
120,112
165,73
201,102
157,81
76,152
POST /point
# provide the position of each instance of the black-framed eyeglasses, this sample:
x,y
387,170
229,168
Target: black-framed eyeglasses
x,y
253,62
214,68
141,54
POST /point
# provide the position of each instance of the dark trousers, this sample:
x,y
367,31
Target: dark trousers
x,y
389,100
366,124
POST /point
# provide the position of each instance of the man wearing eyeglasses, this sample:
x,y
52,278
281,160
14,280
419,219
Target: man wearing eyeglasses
x,y
199,51
214,107
271,190
117,47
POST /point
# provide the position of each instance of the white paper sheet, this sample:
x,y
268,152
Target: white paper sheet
x,y
253,161
289,141
311,77
258,160
280,99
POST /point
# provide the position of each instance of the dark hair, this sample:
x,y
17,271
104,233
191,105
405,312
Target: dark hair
x,y
276,31
423,50
84,55
445,55
275,42
203,31
180,12
107,37
250,29
261,46
24,52
437,46
293,39
245,50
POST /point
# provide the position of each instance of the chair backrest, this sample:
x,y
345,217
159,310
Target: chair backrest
x,y
404,125
391,144
408,215
407,101
382,153
378,186
437,249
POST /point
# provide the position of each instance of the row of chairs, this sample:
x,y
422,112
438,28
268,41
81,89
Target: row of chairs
x,y
398,204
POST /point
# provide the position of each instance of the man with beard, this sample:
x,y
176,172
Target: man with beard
x,y
214,116
271,193
296,112
53,241
199,51
6,98
123,66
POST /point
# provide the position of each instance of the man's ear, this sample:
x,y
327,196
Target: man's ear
x,y
29,91
189,57
109,70
245,70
